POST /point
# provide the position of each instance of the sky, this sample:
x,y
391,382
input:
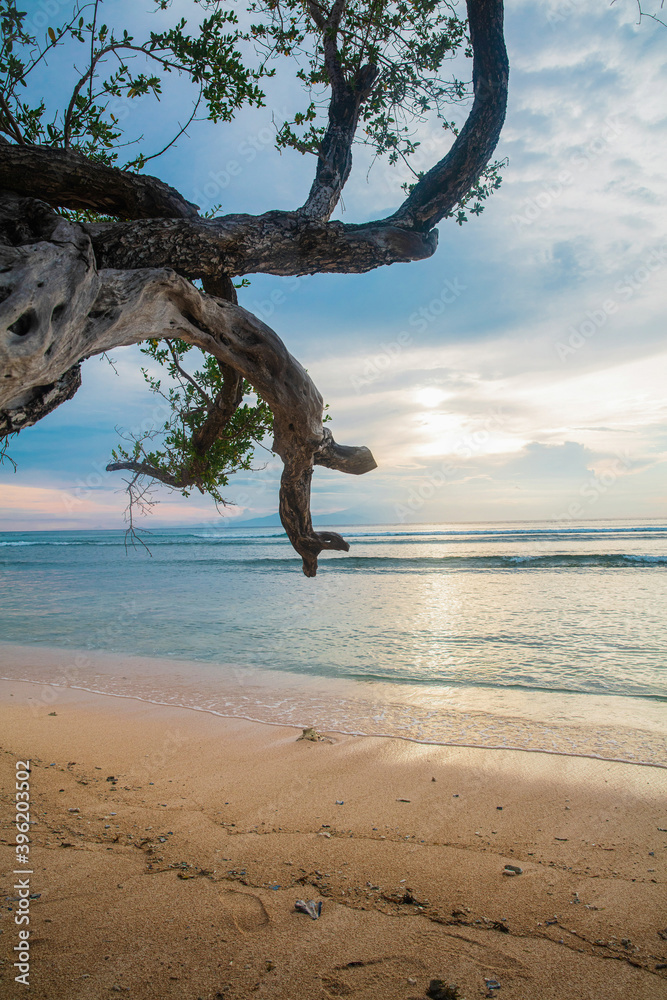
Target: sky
x,y
518,374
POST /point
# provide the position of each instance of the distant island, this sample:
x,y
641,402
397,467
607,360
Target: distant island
x,y
351,516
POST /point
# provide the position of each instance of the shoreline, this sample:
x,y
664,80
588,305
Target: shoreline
x,y
181,841
341,732
605,727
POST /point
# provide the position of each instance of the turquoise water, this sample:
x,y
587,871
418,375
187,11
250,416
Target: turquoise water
x,y
530,606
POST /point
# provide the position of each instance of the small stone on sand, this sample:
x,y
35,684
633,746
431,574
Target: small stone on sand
x,y
313,735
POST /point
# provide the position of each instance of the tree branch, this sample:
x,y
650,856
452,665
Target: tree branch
x,y
186,375
329,30
300,243
445,184
354,461
92,51
275,243
144,159
89,75
146,469
334,161
66,178
242,243
57,310
13,129
168,231
224,406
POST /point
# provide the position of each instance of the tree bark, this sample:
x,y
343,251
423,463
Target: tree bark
x,y
445,184
64,178
283,243
334,160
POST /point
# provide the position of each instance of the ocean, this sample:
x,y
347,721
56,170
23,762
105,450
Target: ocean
x,y
526,634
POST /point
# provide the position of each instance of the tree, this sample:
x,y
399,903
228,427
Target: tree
x,y
96,256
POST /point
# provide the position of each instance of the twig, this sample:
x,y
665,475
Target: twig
x,y
18,135
140,498
114,47
92,51
3,452
186,375
145,159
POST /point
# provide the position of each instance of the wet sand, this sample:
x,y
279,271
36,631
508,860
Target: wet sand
x,y
625,729
178,877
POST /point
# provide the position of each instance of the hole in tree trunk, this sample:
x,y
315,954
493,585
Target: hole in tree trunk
x,y
189,318
24,323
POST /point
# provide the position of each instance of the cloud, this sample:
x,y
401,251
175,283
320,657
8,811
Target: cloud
x,y
567,460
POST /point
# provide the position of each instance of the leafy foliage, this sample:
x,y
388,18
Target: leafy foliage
x,y
92,121
489,182
409,41
406,42
176,460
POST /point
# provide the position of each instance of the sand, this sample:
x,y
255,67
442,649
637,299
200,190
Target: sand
x,y
178,878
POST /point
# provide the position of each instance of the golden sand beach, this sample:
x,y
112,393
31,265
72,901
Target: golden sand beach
x,y
168,848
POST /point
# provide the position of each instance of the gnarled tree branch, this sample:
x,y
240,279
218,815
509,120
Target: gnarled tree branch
x,y
282,243
52,267
64,178
168,231
445,184
334,161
